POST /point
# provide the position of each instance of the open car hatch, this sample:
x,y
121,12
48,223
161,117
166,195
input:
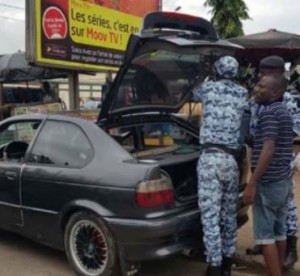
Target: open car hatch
x,y
163,63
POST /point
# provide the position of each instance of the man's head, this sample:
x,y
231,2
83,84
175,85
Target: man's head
x,y
226,67
271,65
270,88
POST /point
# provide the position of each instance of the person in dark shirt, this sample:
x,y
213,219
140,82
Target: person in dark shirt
x,y
270,184
275,66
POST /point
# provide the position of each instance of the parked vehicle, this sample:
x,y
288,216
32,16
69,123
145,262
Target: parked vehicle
x,y
124,189
91,103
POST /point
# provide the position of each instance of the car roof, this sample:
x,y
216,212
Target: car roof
x,y
43,116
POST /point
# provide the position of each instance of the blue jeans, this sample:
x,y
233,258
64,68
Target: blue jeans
x,y
270,210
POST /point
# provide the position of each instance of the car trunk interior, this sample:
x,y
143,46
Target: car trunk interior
x,y
174,148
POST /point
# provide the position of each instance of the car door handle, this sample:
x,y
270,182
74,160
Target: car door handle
x,y
11,175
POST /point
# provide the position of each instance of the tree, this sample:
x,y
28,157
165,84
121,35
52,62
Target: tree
x,y
227,16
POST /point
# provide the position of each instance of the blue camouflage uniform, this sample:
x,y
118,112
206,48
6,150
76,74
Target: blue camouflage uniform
x,y
223,104
292,104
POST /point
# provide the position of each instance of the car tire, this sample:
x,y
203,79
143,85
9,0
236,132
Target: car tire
x,y
90,246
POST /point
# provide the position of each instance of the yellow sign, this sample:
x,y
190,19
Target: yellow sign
x,y
83,34
90,24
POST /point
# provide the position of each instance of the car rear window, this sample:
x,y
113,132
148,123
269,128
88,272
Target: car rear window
x,y
153,135
160,77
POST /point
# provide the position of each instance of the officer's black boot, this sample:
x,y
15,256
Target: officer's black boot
x,y
226,266
291,255
214,271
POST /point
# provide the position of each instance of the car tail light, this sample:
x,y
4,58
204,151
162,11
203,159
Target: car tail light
x,y
152,193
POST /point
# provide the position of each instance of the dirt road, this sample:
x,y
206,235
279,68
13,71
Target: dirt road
x,y
22,257
245,239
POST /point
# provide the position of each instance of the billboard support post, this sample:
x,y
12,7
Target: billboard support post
x,y
160,5
1,99
74,91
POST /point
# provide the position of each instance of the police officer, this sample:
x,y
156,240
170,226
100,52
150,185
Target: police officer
x,y
275,65
223,104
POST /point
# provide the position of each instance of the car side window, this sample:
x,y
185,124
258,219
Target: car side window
x,y
62,144
15,138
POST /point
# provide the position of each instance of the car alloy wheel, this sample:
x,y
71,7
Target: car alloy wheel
x,y
90,246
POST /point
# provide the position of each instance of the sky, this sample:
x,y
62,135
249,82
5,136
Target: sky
x,y
265,14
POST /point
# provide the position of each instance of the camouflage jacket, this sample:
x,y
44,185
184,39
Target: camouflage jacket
x,y
223,102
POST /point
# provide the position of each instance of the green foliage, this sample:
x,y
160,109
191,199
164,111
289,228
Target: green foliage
x,y
227,16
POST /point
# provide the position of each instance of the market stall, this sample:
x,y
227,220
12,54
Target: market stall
x,y
23,87
272,42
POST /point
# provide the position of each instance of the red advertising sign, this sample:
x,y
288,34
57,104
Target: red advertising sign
x,y
83,34
54,23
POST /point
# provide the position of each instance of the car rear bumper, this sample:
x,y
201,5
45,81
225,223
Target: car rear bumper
x,y
142,240
156,238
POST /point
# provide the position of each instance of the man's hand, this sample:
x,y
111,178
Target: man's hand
x,y
249,192
264,160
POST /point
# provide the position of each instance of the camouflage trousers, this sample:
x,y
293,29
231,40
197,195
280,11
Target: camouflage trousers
x,y
217,197
292,218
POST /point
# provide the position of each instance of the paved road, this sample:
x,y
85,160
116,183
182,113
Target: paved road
x,y
22,257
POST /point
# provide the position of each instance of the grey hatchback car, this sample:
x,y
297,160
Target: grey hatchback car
x,y
123,190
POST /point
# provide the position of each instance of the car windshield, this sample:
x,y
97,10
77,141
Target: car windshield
x,y
161,77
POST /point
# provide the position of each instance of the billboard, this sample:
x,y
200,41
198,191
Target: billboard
x,y
82,34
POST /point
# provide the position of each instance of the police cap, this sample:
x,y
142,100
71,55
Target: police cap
x,y
272,62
